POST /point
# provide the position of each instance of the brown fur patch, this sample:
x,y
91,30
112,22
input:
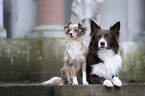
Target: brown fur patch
x,y
83,65
65,75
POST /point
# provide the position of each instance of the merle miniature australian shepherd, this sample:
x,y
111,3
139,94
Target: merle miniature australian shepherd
x,y
103,59
75,57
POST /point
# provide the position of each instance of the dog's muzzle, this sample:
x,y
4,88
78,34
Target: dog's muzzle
x,y
71,35
102,43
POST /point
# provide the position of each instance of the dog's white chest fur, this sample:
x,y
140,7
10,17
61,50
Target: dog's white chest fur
x,y
76,50
110,66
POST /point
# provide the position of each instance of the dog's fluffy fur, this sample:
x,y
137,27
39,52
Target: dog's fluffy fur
x,y
103,59
75,56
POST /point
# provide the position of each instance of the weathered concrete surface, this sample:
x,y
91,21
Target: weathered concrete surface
x,y
30,59
133,57
80,90
39,59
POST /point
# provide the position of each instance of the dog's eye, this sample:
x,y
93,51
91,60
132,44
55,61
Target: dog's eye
x,y
106,35
75,30
98,37
68,31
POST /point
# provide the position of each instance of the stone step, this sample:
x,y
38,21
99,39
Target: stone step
x,y
14,89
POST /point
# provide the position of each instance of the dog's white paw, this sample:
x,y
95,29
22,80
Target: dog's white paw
x,y
108,83
116,81
85,83
75,81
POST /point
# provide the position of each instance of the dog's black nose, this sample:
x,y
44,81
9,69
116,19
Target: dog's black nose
x,y
102,43
70,34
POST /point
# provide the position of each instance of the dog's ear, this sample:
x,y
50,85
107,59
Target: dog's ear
x,y
66,27
82,28
94,27
116,28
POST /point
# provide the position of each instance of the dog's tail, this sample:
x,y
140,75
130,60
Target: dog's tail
x,y
54,81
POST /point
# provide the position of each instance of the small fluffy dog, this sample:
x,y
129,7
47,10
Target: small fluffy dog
x,y
75,57
103,59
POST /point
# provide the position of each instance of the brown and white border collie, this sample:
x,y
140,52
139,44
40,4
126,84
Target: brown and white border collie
x,y
103,59
75,57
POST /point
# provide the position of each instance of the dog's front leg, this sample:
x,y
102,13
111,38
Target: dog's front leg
x,y
84,80
73,71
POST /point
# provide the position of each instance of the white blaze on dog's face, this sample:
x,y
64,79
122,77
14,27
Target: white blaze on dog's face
x,y
74,31
102,43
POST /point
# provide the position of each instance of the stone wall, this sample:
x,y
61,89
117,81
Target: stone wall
x,y
133,55
30,59
39,59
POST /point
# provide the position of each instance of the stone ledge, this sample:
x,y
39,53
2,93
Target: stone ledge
x,y
80,90
53,31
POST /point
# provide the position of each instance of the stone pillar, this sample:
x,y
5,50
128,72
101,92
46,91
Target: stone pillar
x,y
24,17
2,30
136,20
50,12
50,19
1,13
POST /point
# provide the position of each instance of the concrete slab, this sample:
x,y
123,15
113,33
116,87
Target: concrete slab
x,y
14,89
